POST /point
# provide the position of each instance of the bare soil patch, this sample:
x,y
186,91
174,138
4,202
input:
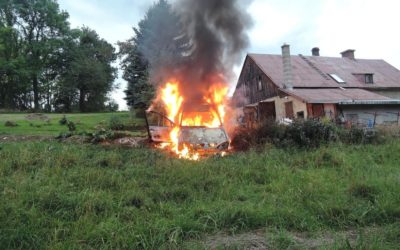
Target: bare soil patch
x,y
264,239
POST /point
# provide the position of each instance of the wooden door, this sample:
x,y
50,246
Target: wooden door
x,y
289,110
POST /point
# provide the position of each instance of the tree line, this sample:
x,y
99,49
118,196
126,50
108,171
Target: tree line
x,y
46,65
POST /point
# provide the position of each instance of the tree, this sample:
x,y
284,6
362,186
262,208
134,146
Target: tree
x,y
158,41
139,91
13,75
42,26
89,75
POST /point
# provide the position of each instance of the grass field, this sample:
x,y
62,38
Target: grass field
x,y
70,196
84,122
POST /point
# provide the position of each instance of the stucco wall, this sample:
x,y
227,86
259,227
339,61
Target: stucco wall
x,y
298,106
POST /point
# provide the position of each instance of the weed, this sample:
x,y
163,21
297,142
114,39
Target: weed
x,y
10,124
71,126
115,123
63,121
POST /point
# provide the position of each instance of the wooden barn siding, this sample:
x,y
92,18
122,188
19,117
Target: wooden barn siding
x,y
249,74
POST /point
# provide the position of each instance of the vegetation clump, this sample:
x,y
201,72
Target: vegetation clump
x,y
63,120
115,123
71,126
302,133
10,124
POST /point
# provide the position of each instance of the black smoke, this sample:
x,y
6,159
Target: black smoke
x,y
196,42
217,30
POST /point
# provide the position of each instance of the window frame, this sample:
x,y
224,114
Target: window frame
x,y
369,78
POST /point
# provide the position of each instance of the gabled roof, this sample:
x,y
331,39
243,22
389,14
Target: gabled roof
x,y
312,71
340,96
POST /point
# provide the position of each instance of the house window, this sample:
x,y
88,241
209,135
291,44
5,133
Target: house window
x,y
300,114
336,78
259,84
369,78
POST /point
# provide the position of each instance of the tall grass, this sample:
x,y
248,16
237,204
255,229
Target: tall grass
x,y
67,196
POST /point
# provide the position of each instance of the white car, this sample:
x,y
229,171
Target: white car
x,y
200,138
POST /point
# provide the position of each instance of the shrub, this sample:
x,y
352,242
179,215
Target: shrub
x,y
302,133
243,139
356,135
71,126
10,124
309,133
269,131
115,123
63,121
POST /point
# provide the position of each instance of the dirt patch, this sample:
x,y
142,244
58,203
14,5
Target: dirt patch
x,y
251,240
264,239
131,141
128,141
37,116
20,138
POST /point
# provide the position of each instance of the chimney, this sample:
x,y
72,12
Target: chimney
x,y
315,51
287,67
348,54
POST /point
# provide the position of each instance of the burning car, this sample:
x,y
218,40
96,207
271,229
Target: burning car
x,y
199,129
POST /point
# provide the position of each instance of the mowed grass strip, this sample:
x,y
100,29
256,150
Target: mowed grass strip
x,y
83,121
67,196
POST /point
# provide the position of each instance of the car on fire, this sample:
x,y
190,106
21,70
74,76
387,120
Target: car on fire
x,y
196,136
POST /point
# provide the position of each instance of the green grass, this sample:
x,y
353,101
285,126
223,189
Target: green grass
x,y
84,122
65,196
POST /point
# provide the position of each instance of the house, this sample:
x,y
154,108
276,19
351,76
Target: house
x,y
346,88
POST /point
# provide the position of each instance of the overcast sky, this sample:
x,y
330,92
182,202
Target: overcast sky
x,y
368,26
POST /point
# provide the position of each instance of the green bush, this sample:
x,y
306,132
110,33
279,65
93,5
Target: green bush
x,y
63,121
71,126
309,133
356,135
302,133
115,123
10,124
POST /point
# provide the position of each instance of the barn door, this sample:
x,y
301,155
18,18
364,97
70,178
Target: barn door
x,y
267,110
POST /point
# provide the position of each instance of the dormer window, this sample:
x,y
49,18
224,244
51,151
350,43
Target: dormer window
x,y
337,78
369,78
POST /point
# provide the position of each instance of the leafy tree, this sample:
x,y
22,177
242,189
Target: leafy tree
x,y
157,42
42,26
13,75
89,75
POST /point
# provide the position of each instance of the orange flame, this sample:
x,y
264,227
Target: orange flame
x,y
173,100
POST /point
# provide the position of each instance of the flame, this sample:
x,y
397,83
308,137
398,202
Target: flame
x,y
173,100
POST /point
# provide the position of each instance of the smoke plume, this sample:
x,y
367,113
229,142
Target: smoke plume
x,y
196,42
217,33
